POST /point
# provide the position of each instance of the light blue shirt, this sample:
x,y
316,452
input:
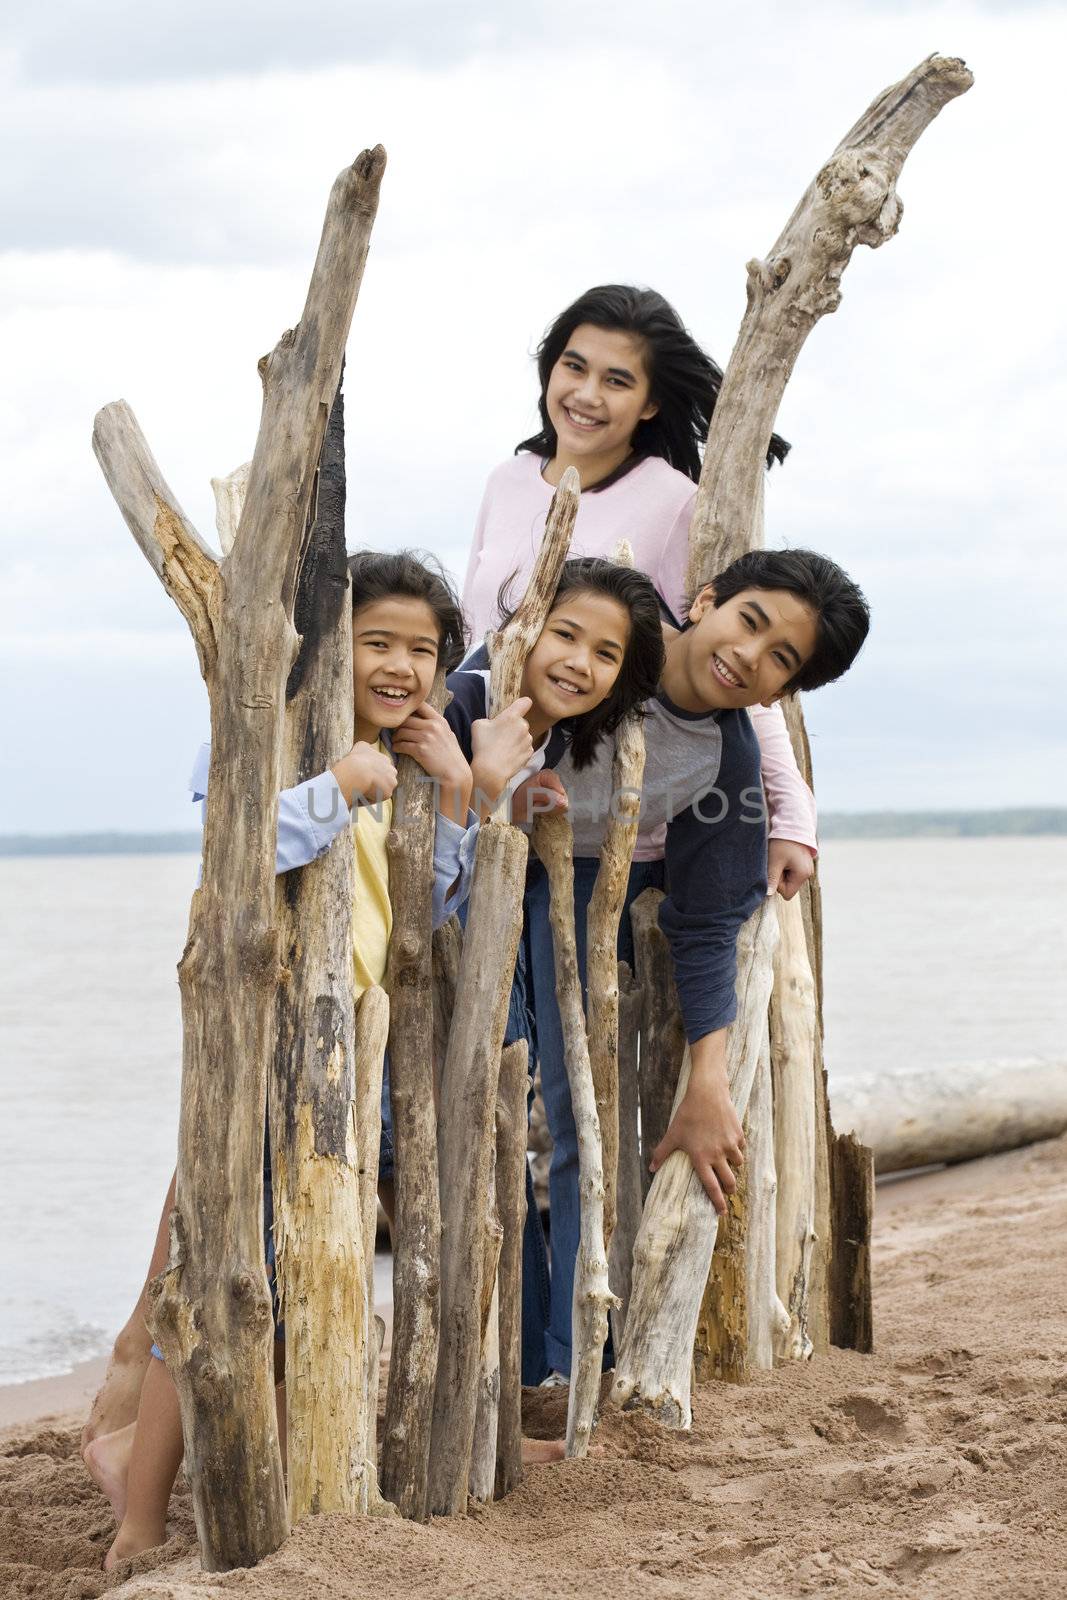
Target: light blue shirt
x,y
311,815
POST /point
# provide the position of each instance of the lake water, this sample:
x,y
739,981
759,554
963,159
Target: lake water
x,y
935,951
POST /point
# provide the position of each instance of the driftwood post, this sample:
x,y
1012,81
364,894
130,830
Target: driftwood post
x,y
212,1315
768,1319
630,1190
317,1234
417,1240
672,1256
472,1064
662,1033
553,839
511,1204
372,1032
793,1065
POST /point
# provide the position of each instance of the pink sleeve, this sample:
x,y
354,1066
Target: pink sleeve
x,y
791,804
472,560
669,576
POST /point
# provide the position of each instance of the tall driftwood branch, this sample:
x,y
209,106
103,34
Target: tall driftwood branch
x,y
417,1231
662,1033
317,1233
472,1063
372,1033
852,200
630,1190
212,1316
768,1320
482,1480
178,556
553,839
511,1205
672,1256
602,932
852,1321
720,1345
793,1026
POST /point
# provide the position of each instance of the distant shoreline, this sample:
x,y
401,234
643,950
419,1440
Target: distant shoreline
x,y
1014,823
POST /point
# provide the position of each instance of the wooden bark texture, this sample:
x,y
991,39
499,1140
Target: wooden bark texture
x,y
510,648
662,1033
672,1256
372,1034
630,1190
447,945
793,1026
465,1127
472,1061
511,1205
767,1317
853,1325
720,1346
602,933
912,1118
553,839
212,1315
482,1481
318,1237
417,1224
852,200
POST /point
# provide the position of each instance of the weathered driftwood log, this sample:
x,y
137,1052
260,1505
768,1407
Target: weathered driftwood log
x,y
417,1224
672,1256
720,1346
482,1479
212,1316
630,1189
318,1238
511,1206
447,945
915,1117
662,1033
372,1033
852,200
553,839
852,1322
602,933
767,1317
793,1033
472,1063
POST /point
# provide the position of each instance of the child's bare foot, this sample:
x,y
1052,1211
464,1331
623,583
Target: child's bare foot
x,y
130,1541
538,1452
108,1460
119,1395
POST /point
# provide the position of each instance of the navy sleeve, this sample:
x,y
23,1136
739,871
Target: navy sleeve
x,y
716,858
469,702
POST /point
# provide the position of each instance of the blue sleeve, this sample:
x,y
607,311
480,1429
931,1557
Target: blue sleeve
x,y
716,859
453,865
310,815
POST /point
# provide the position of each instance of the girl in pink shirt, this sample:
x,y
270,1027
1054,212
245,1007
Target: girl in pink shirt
x,y
626,398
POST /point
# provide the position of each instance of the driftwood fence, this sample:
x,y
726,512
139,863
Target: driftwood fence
x,y
266,1001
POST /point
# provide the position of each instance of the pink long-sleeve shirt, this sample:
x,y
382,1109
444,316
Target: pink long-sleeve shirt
x,y
650,506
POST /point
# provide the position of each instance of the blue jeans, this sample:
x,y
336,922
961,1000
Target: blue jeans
x,y
563,1173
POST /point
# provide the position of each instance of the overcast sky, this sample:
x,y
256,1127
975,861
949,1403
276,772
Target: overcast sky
x,y
164,177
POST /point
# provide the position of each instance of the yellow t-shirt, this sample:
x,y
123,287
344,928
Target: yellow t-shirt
x,y
372,914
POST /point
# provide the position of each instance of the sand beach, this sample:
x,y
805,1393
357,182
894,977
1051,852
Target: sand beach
x,y
934,1467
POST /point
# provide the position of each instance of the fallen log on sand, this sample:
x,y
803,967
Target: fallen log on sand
x,y
916,1118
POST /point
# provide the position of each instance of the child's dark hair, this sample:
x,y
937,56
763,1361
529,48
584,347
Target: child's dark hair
x,y
840,606
642,663
685,382
378,575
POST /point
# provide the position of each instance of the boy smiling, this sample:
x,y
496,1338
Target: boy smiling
x,y
772,623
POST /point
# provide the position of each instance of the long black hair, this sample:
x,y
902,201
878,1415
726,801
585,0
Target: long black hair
x,y
378,575
684,381
642,662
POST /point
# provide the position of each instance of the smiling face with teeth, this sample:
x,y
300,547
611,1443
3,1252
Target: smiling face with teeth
x,y
745,652
598,391
575,662
395,644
